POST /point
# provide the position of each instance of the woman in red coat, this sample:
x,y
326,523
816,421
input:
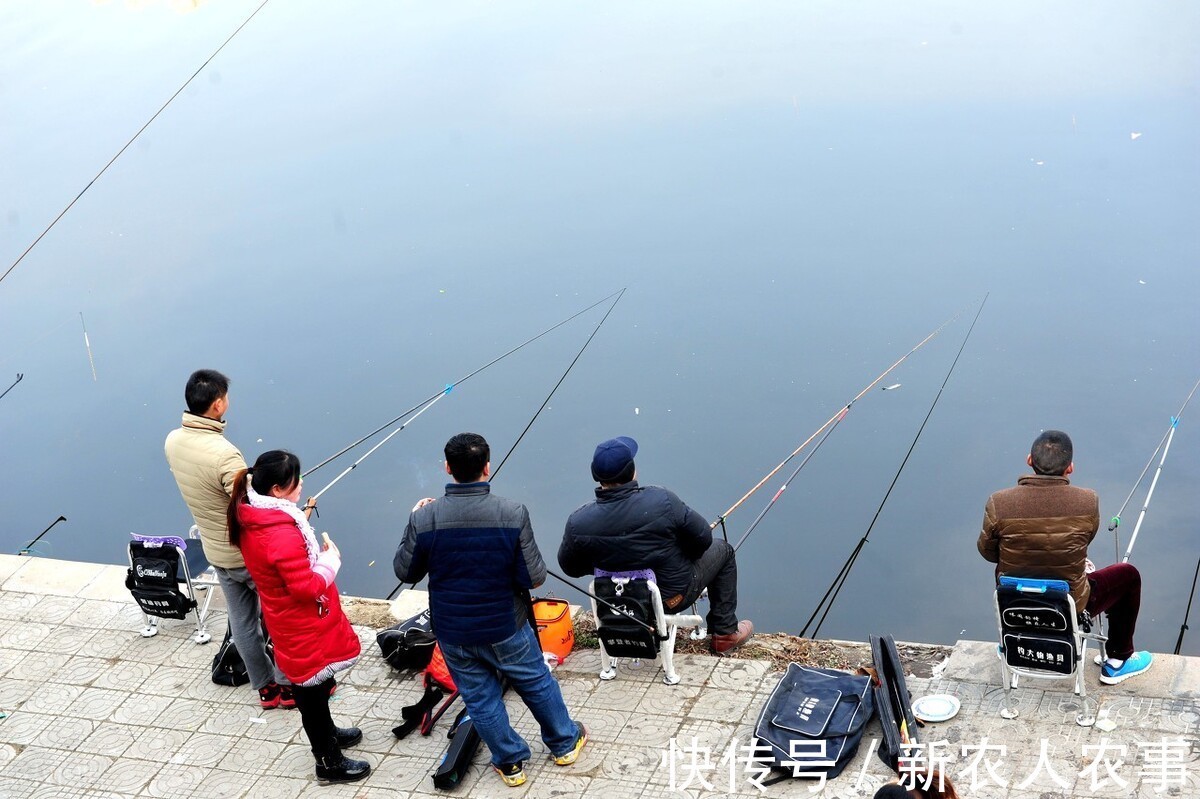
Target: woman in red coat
x,y
294,576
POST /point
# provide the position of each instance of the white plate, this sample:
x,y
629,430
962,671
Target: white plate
x,y
936,707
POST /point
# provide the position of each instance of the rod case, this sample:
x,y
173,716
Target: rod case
x,y
893,702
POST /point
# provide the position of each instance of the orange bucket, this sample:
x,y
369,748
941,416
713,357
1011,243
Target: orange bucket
x,y
555,630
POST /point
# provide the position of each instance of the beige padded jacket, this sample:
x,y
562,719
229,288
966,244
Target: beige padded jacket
x,y
204,464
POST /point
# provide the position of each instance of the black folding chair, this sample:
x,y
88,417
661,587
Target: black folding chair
x,y
160,577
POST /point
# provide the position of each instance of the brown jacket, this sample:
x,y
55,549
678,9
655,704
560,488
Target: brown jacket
x,y
204,464
1041,528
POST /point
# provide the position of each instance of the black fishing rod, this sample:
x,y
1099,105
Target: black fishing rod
x,y
1191,596
574,360
20,377
1165,445
836,587
28,547
433,397
835,419
63,212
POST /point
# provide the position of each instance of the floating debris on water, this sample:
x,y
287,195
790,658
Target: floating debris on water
x,y
1134,136
892,386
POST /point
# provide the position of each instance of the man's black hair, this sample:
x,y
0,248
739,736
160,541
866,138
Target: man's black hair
x,y
205,387
621,478
466,455
1052,452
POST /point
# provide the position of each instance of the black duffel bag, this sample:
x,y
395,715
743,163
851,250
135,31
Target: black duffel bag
x,y
408,646
228,668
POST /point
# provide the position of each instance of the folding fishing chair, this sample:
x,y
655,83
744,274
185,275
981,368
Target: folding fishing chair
x,y
159,567
638,628
1042,637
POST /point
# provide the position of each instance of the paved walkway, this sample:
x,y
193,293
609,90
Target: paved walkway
x,y
95,710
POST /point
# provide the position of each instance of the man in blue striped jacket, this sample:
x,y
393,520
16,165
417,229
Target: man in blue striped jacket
x,y
479,553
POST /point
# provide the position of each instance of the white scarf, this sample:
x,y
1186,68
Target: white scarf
x,y
274,503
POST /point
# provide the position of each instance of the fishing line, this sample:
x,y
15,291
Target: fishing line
x,y
511,449
386,439
545,402
62,213
1191,596
832,419
836,587
20,377
1165,446
458,382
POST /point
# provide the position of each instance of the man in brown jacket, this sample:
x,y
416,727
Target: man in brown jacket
x,y
204,463
1042,528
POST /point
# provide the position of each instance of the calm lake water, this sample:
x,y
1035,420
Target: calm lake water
x,y
354,204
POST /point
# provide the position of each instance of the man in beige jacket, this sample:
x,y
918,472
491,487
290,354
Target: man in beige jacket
x,y
205,463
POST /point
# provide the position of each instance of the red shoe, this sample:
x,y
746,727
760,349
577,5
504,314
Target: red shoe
x,y
286,700
729,641
268,696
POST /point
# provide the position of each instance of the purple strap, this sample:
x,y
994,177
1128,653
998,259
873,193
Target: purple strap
x,y
642,574
160,540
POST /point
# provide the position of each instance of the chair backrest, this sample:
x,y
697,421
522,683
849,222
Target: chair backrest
x,y
1037,625
154,576
627,618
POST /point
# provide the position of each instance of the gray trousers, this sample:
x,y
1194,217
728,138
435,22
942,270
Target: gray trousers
x,y
241,601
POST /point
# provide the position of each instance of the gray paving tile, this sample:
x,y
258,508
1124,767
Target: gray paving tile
x,y
177,782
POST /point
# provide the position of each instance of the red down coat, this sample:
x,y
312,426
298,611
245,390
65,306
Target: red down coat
x,y
288,589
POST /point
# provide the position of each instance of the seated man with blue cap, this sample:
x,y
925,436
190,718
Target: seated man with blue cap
x,y
631,527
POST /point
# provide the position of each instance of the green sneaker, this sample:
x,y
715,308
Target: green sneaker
x,y
573,754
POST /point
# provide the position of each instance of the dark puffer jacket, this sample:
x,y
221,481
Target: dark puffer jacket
x,y
479,553
633,527
1041,528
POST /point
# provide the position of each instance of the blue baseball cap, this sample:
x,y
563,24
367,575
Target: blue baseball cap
x,y
612,457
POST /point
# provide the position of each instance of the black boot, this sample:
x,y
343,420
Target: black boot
x,y
336,767
346,736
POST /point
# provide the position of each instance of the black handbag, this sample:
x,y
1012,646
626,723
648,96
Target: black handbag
x,y
228,668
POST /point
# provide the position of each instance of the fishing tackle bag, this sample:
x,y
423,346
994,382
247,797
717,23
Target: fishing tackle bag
x,y
893,702
814,721
408,646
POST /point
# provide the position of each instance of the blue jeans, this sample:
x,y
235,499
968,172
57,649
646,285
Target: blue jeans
x,y
477,669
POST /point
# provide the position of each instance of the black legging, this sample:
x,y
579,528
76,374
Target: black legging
x,y
313,703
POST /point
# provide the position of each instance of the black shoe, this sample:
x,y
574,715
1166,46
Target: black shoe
x,y
347,736
341,769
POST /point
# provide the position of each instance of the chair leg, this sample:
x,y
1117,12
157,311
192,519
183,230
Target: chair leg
x,y
151,628
1009,711
667,654
608,665
201,636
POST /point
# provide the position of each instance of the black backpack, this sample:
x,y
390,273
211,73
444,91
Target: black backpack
x,y
814,721
408,646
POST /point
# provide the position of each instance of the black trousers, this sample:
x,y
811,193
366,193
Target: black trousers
x,y
716,570
313,704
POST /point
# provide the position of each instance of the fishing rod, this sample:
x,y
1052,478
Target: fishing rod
x,y
836,587
112,160
546,401
386,439
20,377
1165,446
458,382
1191,596
28,547
513,448
836,418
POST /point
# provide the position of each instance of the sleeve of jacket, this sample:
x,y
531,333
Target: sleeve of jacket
x,y
409,565
232,462
572,557
531,569
692,531
290,557
989,538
